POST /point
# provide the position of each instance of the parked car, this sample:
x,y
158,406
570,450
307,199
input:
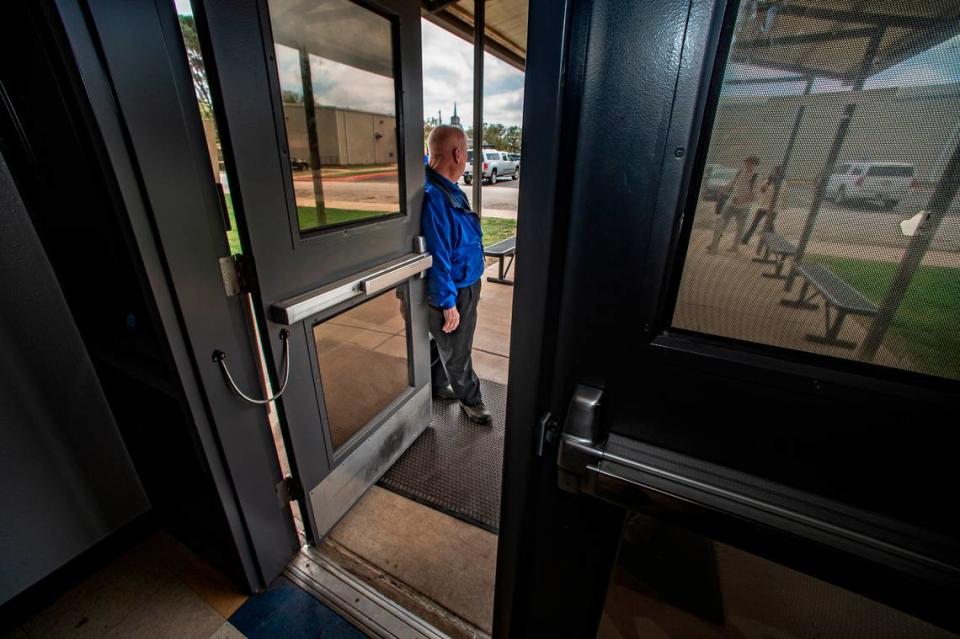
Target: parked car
x,y
880,183
716,179
496,164
298,165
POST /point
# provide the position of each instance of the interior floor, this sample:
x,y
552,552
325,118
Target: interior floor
x,y
439,567
159,589
443,559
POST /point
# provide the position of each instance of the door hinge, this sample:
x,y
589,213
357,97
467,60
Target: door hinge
x,y
547,430
288,489
235,269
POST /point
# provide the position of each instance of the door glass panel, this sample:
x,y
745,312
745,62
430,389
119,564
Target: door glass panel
x,y
670,583
362,358
791,249
335,63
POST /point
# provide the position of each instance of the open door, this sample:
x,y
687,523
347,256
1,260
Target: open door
x,y
320,115
701,454
318,128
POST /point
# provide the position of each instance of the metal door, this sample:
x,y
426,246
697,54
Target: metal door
x,y
320,116
691,457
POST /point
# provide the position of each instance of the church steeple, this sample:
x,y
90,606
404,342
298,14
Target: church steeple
x,y
455,120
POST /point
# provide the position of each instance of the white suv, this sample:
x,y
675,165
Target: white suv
x,y
880,183
496,164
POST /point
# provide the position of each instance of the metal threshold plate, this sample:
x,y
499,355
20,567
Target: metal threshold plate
x,y
366,608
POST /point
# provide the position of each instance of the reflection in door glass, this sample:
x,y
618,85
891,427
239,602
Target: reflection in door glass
x,y
362,359
201,89
674,584
336,71
832,128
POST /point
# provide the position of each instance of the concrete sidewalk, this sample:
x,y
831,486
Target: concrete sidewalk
x,y
491,342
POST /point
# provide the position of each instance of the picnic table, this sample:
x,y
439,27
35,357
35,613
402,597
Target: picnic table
x,y
838,296
776,250
502,250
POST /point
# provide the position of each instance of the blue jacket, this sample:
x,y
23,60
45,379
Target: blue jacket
x,y
454,239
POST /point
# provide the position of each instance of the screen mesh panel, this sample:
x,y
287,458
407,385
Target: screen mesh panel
x,y
826,219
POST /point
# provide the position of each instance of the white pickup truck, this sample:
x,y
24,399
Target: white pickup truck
x,y
881,183
496,165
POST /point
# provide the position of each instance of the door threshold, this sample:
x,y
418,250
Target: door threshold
x,y
342,581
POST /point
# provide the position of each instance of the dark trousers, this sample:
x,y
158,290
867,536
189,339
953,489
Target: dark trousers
x,y
451,360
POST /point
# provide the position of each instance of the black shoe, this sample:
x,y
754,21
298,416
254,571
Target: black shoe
x,y
444,393
478,413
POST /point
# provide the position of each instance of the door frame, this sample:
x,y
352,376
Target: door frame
x,y
135,76
538,524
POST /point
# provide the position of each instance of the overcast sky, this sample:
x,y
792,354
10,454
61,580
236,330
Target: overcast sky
x,y
336,84
448,77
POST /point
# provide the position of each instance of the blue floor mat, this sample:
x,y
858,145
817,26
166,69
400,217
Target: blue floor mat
x,y
284,611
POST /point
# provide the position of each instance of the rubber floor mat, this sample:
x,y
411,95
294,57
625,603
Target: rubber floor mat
x,y
455,465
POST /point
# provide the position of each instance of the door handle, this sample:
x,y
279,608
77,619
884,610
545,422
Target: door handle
x,y
634,475
388,278
580,446
368,282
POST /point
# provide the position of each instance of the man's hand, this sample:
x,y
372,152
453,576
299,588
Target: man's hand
x,y
451,319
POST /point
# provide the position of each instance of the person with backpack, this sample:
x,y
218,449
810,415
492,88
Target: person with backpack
x,y
763,206
739,196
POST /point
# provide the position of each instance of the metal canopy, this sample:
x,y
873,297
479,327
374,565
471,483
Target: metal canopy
x,y
868,36
338,30
505,25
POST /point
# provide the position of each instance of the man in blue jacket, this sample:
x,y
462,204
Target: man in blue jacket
x,y
455,240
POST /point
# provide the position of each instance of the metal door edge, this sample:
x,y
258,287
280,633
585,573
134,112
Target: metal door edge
x,y
345,485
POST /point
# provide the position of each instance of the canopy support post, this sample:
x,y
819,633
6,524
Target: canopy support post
x,y
936,210
821,189
479,20
866,66
310,113
789,150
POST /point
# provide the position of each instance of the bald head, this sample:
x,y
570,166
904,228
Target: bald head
x,y
448,151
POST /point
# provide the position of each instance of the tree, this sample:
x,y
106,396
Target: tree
x,y
499,137
291,97
200,86
493,134
511,139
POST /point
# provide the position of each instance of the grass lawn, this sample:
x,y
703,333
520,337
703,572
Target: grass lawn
x,y
496,229
308,219
232,236
926,327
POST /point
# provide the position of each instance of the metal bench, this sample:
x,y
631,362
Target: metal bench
x,y
776,250
502,250
839,296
